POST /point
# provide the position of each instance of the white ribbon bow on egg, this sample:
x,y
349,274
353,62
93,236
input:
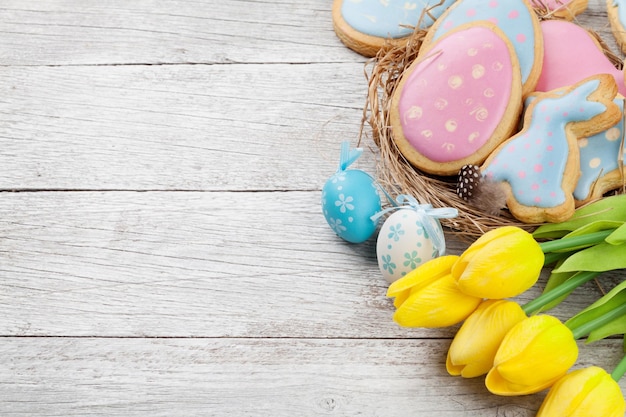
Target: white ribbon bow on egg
x,y
426,213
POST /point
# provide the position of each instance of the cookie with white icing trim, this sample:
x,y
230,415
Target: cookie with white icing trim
x,y
366,25
459,100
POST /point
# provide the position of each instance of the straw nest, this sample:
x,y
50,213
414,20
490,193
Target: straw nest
x,y
395,174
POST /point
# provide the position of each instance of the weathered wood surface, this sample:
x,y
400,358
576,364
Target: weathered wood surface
x,y
162,249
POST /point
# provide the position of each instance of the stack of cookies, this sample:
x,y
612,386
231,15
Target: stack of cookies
x,y
493,88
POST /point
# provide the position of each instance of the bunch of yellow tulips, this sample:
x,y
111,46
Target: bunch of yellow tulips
x,y
521,349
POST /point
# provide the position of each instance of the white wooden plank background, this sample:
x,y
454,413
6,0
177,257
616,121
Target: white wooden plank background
x,y
162,250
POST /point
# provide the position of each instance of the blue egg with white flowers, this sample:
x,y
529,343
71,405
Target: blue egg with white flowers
x,y
349,200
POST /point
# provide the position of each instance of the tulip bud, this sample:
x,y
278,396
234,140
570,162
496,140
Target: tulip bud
x,y
587,392
475,345
502,263
533,355
428,296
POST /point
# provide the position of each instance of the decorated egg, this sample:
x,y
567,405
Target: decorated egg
x,y
349,200
411,236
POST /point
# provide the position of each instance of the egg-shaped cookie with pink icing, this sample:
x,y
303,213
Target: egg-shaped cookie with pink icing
x,y
458,101
562,64
516,18
539,167
366,25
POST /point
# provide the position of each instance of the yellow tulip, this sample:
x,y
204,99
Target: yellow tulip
x,y
533,355
474,347
428,296
502,263
586,392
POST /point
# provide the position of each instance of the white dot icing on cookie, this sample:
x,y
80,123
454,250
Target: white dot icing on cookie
x,y
414,112
595,163
478,71
480,113
391,18
533,162
455,81
451,126
441,103
613,134
463,95
514,17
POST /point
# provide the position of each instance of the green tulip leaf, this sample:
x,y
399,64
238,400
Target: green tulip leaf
x,y
617,326
556,279
607,303
596,227
618,236
611,208
599,258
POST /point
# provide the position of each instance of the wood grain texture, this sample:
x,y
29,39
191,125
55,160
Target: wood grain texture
x,y
183,264
118,32
248,127
243,377
165,253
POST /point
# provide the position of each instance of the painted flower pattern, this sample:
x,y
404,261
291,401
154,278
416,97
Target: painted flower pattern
x,y
395,232
344,203
388,265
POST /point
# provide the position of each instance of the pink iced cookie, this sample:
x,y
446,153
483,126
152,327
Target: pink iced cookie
x,y
565,9
515,18
458,101
540,166
565,65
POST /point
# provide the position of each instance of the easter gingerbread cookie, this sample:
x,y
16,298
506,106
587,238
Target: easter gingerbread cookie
x,y
616,11
601,162
516,18
562,64
458,101
365,25
539,167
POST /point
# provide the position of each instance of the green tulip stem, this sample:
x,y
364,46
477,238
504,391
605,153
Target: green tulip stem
x,y
619,370
552,257
565,243
574,282
586,328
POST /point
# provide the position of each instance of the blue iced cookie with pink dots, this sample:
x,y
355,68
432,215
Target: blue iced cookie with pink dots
x,y
539,167
516,18
601,162
365,25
